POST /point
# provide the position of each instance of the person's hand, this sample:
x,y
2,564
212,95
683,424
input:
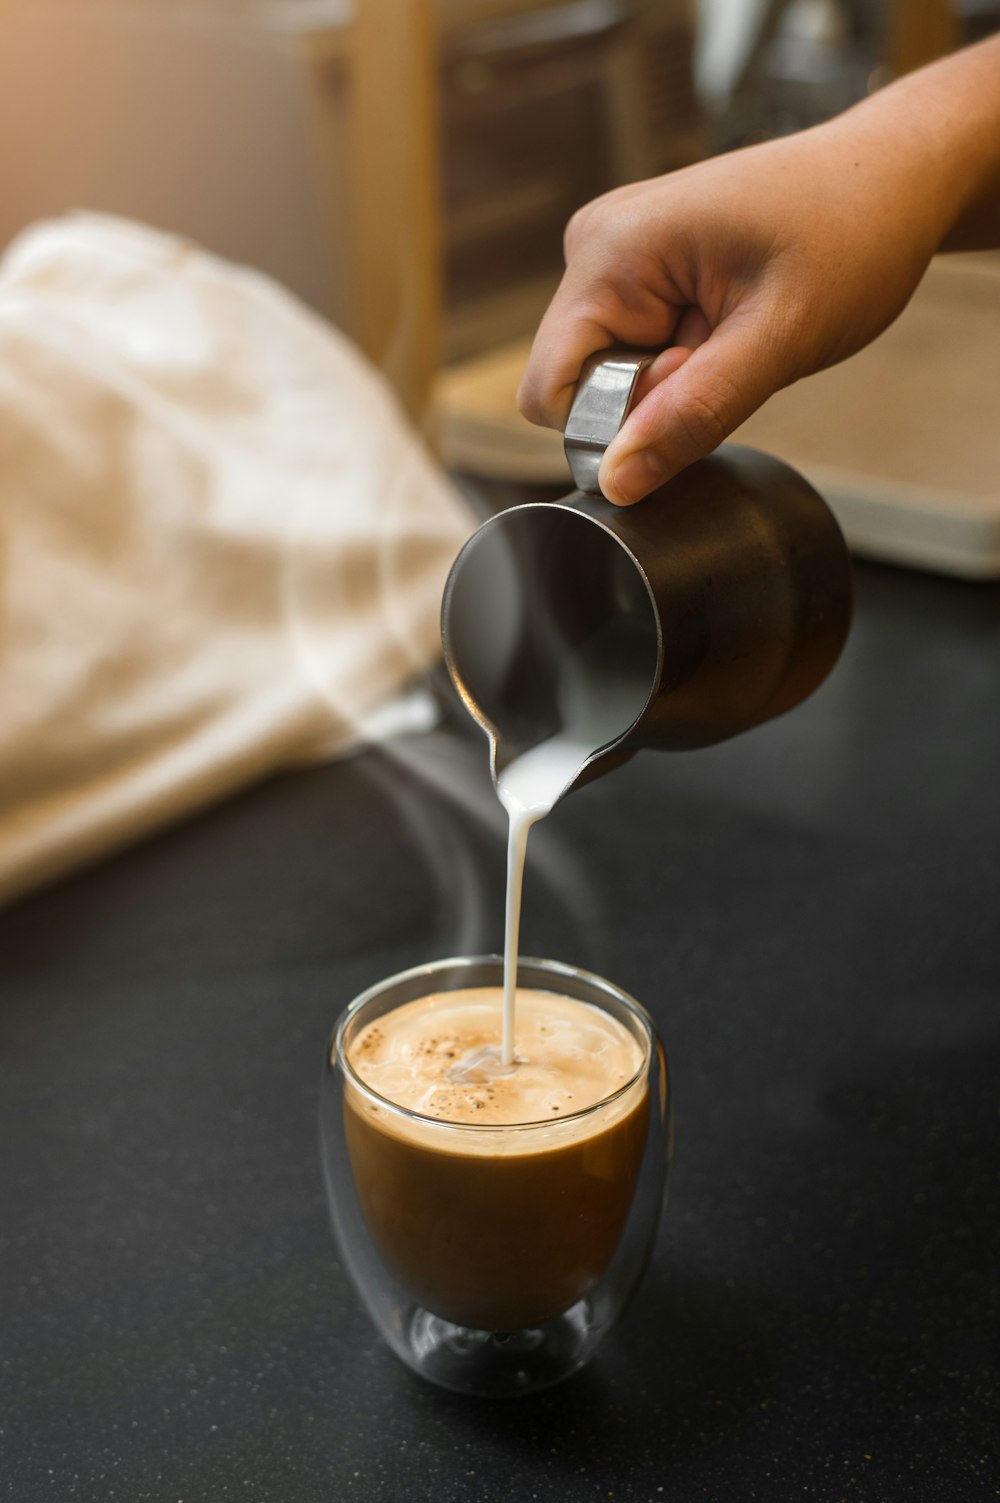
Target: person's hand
x,y
756,268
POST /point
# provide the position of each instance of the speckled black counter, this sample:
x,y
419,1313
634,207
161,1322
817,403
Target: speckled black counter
x,y
812,913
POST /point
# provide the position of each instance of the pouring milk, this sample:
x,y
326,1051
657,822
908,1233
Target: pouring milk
x,y
600,693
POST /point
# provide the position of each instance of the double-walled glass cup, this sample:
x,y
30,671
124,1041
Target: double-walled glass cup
x,y
493,1259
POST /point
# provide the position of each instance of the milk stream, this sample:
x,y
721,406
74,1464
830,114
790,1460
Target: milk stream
x,y
598,700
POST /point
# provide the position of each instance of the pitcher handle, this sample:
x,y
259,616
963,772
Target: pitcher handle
x,y
603,398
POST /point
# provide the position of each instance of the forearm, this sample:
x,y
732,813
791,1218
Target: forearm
x,y
938,131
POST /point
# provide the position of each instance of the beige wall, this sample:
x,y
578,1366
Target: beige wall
x,y
177,116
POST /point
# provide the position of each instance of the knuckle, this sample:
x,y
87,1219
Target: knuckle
x,y
571,233
591,220
575,231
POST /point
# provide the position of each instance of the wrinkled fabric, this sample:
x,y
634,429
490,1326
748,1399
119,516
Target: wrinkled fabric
x,y
221,547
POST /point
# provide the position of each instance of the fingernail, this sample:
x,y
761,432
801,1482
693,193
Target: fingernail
x,y
637,475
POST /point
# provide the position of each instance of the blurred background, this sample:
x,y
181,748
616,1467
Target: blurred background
x,y
407,168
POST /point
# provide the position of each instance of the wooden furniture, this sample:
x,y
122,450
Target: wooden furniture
x,y
373,109
542,107
406,166
902,439
918,31
466,132
552,104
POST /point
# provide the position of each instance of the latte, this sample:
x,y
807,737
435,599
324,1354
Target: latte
x,y
496,1194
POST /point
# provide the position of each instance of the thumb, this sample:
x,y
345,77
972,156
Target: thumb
x,y
688,414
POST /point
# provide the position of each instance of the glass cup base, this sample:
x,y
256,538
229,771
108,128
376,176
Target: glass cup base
x,y
499,1364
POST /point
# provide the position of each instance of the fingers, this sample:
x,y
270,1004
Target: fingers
x,y
687,410
666,363
575,327
560,348
690,398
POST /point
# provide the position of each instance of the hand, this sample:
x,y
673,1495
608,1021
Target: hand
x,y
763,265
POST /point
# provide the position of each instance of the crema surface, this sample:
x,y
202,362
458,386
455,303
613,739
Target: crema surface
x,y
440,1056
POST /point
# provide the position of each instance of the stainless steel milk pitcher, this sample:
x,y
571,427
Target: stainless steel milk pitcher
x,y
724,597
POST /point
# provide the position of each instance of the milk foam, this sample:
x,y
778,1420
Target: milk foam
x,y
440,1056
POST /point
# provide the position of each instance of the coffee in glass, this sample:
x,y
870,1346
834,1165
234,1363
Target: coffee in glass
x,y
495,1217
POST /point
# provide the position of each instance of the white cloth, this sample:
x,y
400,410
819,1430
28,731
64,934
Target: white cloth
x,y
221,547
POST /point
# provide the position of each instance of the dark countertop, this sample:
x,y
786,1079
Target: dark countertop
x,y
812,914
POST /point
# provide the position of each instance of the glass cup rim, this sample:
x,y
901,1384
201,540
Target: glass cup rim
x,y
336,1055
